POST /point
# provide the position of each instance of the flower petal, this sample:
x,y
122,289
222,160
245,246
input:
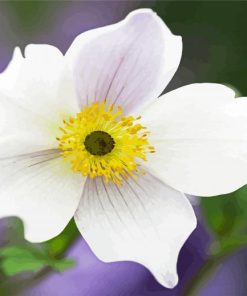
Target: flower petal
x,y
22,131
41,190
129,63
143,221
200,135
40,83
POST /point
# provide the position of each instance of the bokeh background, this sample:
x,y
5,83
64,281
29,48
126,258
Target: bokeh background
x,y
213,262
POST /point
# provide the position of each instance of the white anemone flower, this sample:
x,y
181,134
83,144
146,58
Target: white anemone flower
x,y
84,135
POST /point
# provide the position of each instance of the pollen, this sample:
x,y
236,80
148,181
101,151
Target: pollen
x,y
101,141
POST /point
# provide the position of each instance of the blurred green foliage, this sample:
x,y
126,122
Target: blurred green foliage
x,y
214,37
20,256
19,259
32,14
59,245
16,259
226,216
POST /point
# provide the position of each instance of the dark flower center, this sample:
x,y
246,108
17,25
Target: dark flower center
x,y
99,143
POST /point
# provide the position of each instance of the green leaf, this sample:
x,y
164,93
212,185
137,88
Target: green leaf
x,y
21,256
29,258
12,266
16,259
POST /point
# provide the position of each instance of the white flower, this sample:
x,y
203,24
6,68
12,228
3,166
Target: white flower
x,y
98,166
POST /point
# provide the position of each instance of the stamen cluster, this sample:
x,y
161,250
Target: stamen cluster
x,y
130,142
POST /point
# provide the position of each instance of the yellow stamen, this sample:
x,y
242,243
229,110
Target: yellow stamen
x,y
123,140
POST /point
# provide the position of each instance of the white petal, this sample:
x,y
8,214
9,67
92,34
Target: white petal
x,y
143,221
129,63
22,131
40,189
200,134
40,83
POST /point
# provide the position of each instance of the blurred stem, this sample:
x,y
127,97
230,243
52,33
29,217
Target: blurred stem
x,y
201,277
206,272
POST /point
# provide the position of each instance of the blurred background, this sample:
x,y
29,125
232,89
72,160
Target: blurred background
x,y
213,262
